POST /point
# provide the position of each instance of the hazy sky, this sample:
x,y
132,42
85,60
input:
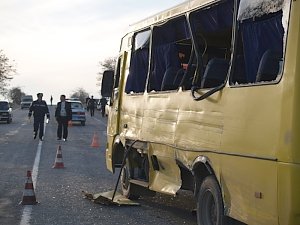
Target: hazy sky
x,y
57,44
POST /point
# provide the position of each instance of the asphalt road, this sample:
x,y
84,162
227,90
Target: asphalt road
x,y
59,191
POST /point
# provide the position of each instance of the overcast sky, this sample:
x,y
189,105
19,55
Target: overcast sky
x,y
57,44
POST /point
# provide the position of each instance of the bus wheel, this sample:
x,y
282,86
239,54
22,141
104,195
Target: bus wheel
x,y
210,210
126,186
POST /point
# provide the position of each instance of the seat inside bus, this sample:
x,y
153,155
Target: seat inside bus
x,y
215,73
269,66
165,67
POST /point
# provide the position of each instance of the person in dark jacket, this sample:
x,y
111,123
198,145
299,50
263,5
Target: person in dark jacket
x,y
63,115
91,105
39,109
103,103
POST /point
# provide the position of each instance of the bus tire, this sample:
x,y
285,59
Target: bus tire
x,y
126,186
210,210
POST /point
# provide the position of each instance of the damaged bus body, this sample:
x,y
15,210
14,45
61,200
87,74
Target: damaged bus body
x,y
205,98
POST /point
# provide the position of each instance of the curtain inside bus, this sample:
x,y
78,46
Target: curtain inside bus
x,y
214,19
138,70
137,76
260,35
165,52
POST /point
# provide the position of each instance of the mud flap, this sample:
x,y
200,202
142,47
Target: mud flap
x,y
105,198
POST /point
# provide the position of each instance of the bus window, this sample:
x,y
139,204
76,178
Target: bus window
x,y
170,53
212,31
117,74
260,41
136,79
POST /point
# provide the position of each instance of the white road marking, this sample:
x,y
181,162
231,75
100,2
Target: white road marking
x,y
26,215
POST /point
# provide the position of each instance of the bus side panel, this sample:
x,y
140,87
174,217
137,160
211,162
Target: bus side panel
x,y
159,125
152,119
293,70
199,124
167,179
289,166
132,113
252,121
250,189
160,118
251,140
288,194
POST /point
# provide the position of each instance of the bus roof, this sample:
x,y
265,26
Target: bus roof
x,y
169,13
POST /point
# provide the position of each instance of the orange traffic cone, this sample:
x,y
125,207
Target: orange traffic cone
x,y
58,164
95,142
28,194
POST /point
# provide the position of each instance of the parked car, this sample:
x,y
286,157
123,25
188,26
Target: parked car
x,y
5,112
78,112
26,101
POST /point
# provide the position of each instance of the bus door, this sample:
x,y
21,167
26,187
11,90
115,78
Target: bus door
x,y
110,88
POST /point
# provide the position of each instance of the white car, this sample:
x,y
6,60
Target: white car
x,y
78,112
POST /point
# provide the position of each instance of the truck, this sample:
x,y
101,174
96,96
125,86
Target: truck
x,y
26,101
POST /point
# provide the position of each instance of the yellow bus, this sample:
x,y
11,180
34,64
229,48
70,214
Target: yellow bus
x,y
204,98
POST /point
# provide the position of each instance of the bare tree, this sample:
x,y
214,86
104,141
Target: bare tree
x,y
107,64
81,94
7,71
15,94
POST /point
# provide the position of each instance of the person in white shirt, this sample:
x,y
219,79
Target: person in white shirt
x,y
63,115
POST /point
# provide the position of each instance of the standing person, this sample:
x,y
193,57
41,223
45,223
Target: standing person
x,y
51,99
103,103
63,115
39,109
91,105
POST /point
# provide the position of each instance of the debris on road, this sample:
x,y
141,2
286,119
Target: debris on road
x,y
105,198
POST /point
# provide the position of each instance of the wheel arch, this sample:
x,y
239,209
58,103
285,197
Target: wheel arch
x,y
118,150
201,168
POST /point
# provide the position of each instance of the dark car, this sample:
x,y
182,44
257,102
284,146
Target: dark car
x,y
5,112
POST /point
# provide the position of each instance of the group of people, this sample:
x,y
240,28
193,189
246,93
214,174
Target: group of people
x,y
91,105
63,114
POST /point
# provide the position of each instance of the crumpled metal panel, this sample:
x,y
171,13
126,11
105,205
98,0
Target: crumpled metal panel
x,y
105,198
167,179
